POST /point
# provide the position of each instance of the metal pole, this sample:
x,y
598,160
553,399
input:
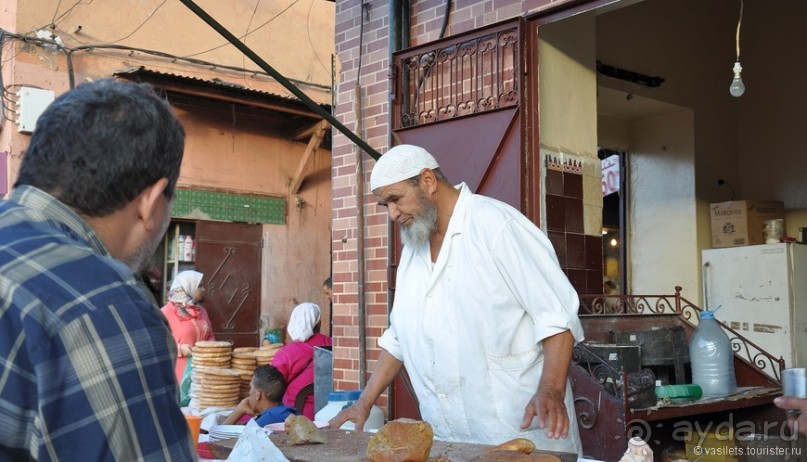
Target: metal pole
x,y
282,80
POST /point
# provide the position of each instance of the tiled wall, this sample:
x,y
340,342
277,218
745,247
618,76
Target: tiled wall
x,y
580,255
211,205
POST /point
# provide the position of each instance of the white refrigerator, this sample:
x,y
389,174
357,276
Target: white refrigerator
x,y
762,294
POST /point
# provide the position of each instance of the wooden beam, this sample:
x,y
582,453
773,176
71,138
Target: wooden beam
x,y
306,132
313,144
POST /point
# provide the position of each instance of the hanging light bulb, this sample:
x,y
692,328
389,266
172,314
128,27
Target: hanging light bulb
x,y
737,87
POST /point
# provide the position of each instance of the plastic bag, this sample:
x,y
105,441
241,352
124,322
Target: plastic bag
x,y
185,384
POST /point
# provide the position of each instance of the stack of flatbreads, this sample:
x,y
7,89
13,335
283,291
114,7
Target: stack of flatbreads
x,y
211,353
214,387
244,361
265,354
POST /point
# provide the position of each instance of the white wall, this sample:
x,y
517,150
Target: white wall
x,y
568,86
663,245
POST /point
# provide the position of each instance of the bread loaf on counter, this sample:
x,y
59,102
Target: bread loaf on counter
x,y
401,440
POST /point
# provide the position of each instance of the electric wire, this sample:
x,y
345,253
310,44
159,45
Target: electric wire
x,y
739,22
194,61
141,24
6,36
428,71
64,15
245,35
445,19
55,12
249,24
4,110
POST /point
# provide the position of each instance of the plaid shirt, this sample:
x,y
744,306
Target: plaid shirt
x,y
86,360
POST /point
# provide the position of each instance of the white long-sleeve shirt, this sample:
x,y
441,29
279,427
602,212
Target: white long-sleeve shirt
x,y
468,328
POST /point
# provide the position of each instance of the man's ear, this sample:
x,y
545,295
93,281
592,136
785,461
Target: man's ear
x,y
149,204
428,180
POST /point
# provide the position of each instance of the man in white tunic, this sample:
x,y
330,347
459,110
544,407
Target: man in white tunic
x,y
484,319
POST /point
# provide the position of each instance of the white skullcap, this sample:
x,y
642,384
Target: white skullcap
x,y
302,321
400,163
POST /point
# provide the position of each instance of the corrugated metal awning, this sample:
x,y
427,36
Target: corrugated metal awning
x,y
220,90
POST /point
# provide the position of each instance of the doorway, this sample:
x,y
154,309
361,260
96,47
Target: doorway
x,y
613,220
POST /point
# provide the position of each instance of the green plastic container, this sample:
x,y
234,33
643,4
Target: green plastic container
x,y
689,391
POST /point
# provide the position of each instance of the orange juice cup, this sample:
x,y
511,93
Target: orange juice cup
x,y
194,423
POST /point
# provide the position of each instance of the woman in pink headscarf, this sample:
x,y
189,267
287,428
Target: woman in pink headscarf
x,y
296,360
187,318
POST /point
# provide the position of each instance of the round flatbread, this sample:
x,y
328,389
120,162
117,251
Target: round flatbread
x,y
213,351
213,343
213,380
202,359
216,387
211,354
219,371
244,349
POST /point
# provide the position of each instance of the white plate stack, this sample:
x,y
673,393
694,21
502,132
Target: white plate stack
x,y
225,432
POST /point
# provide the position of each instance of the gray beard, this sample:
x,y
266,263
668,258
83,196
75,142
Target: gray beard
x,y
419,232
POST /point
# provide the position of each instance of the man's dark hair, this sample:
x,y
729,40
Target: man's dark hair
x,y
95,148
328,283
270,381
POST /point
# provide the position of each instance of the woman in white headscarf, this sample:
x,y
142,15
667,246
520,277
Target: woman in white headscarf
x,y
187,318
296,360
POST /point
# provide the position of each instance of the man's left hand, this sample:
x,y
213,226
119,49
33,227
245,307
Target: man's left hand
x,y
548,405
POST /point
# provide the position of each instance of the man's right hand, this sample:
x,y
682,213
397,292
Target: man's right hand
x,y
357,413
386,368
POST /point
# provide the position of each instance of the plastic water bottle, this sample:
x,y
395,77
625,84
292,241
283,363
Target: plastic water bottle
x,y
338,400
711,358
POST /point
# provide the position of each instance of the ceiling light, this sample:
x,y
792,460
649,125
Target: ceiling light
x,y
737,87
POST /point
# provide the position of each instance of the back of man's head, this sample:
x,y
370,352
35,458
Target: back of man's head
x,y
271,382
95,148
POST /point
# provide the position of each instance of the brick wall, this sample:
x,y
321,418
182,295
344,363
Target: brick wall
x,y
427,19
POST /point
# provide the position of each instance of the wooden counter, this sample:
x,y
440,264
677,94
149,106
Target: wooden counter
x,y
349,446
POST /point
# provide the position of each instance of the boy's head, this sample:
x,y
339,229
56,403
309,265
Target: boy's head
x,y
327,288
267,387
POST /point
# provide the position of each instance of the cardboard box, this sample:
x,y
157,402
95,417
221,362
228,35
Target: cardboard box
x,y
737,223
